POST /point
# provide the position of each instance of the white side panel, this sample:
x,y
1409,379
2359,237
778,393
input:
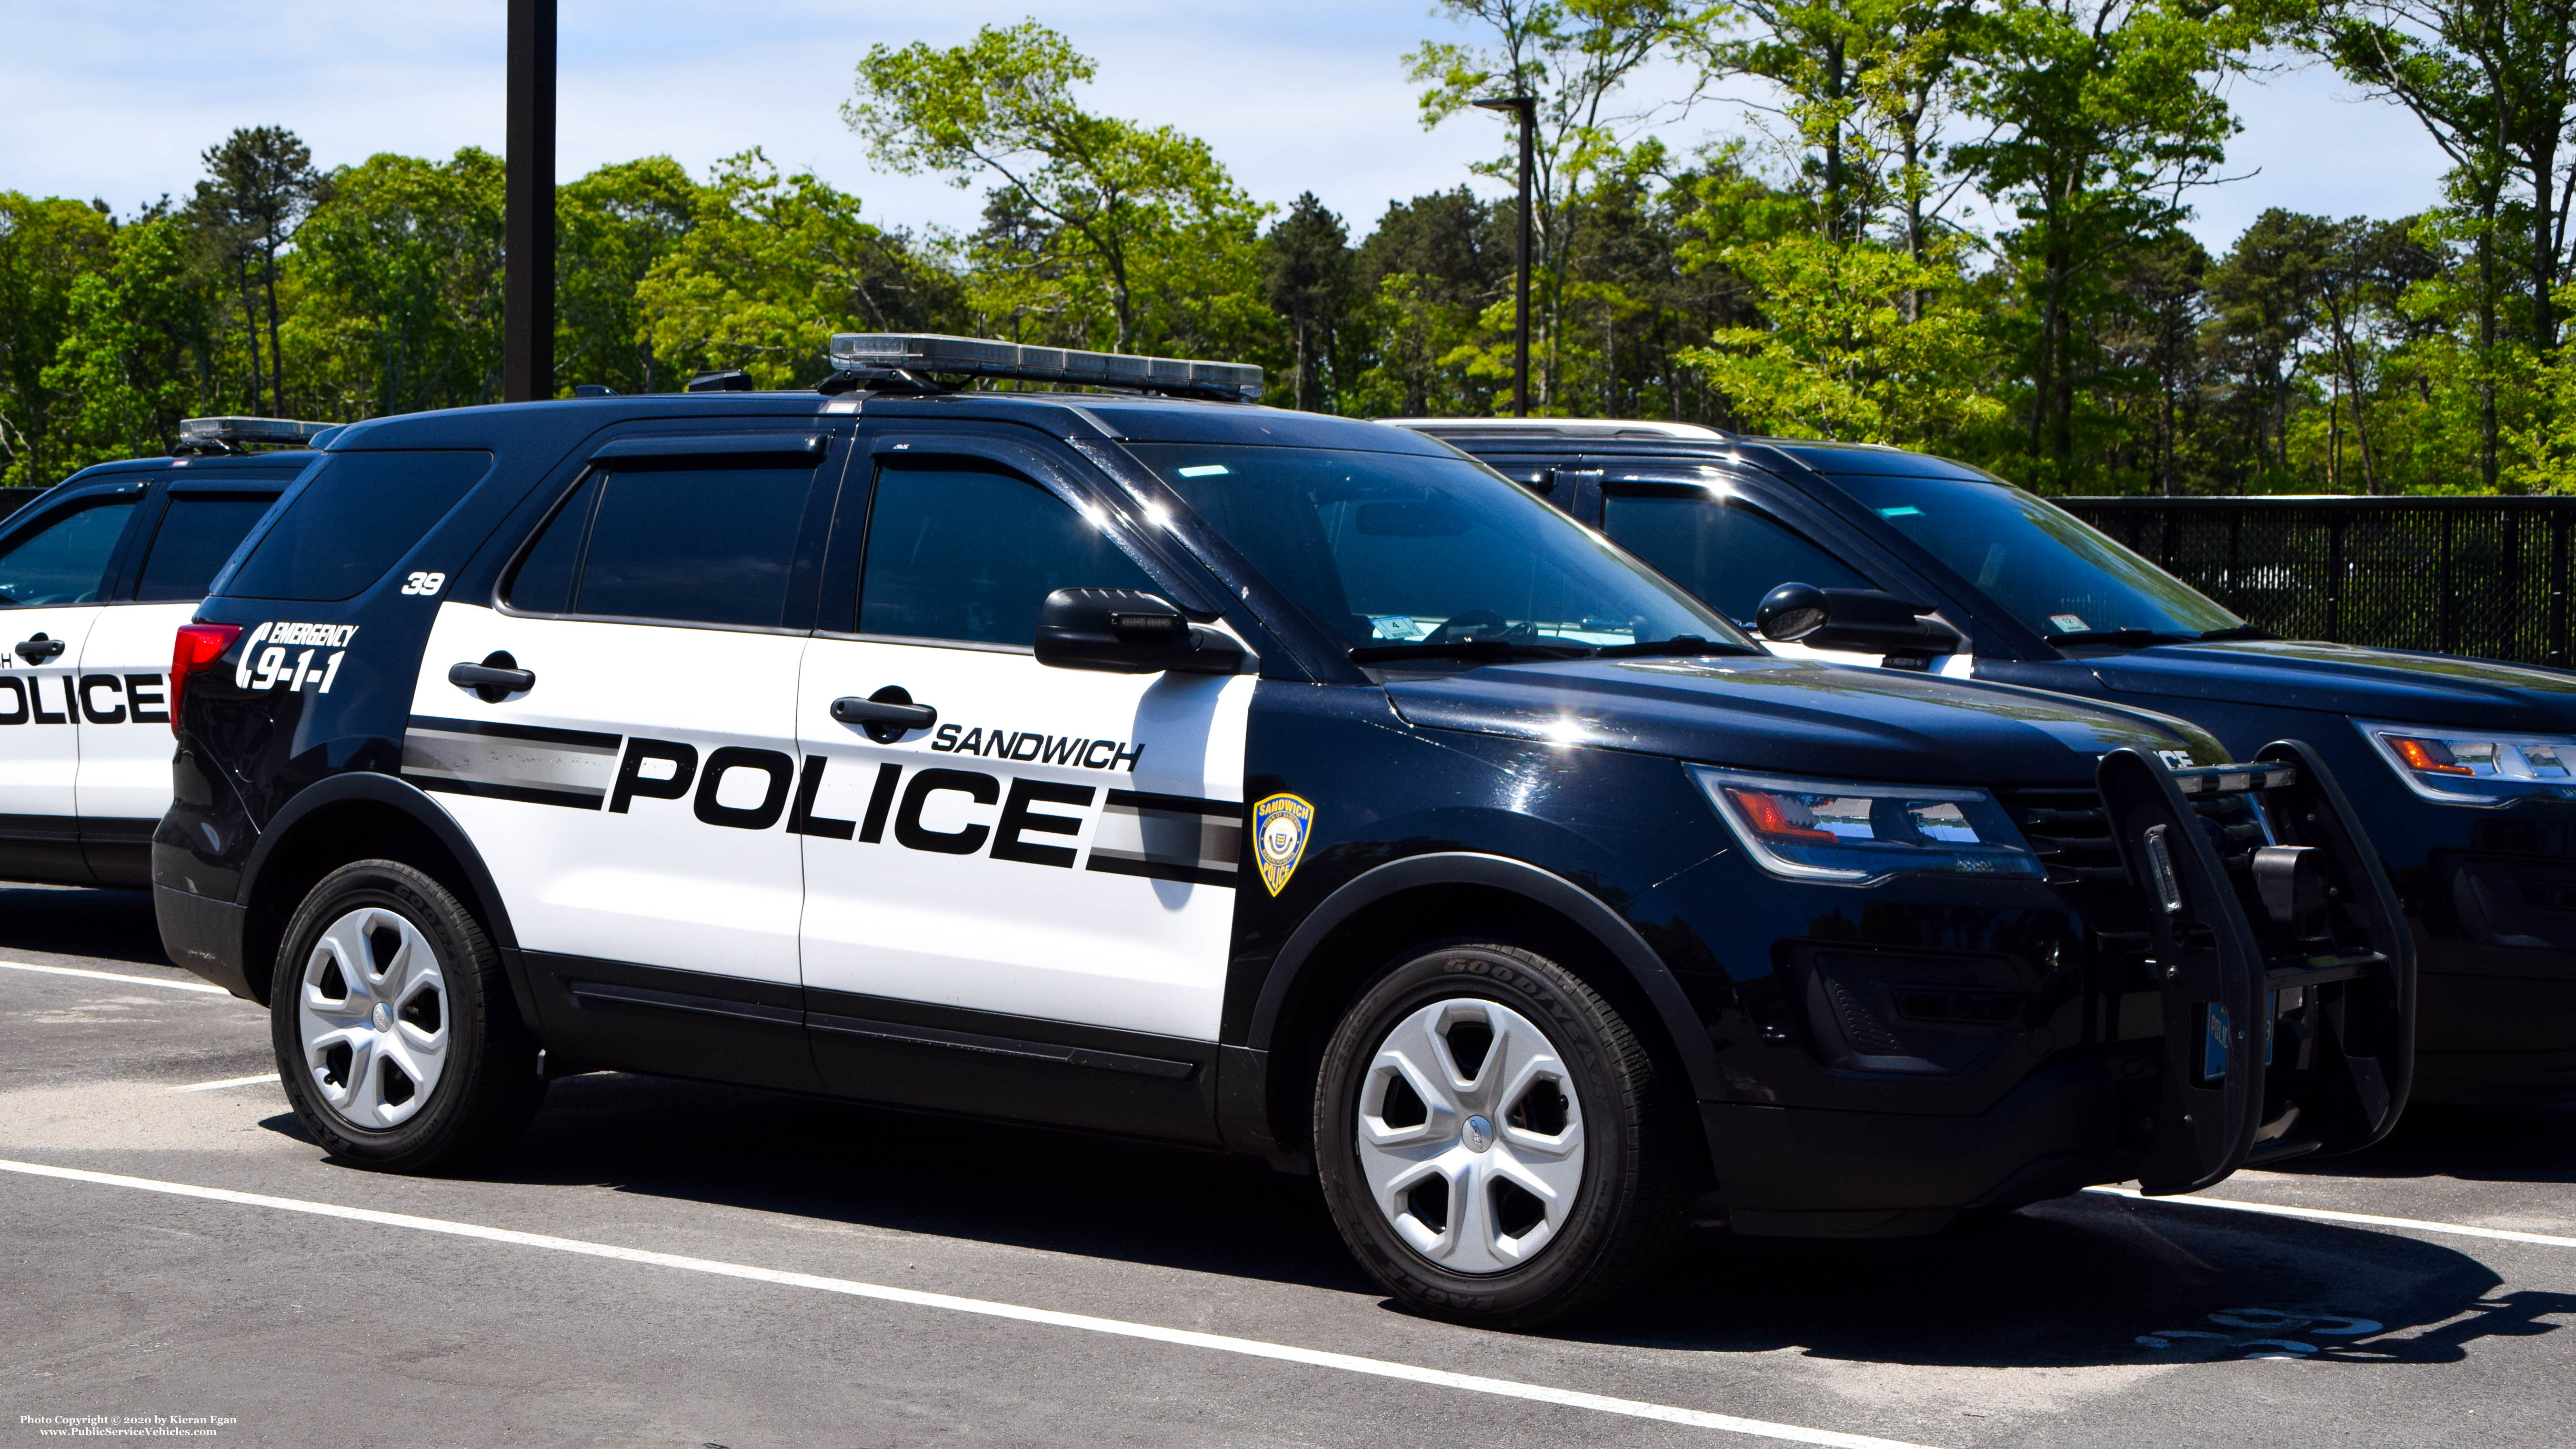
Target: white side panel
x,y
39,743
1948,666
1111,904
532,780
125,741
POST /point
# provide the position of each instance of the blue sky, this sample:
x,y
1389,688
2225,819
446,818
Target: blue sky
x,y
115,98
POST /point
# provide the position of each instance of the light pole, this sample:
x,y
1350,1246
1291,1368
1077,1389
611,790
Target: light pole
x,y
1526,108
528,207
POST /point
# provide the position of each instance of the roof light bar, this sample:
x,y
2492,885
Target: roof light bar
x,y
278,432
878,353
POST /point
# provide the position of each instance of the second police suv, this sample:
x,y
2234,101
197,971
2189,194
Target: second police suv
x,y
1174,767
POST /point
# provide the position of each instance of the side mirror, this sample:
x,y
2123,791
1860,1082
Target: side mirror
x,y
1864,621
1128,631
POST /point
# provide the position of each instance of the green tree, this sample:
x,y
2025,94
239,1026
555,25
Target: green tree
x,y
612,228
395,287
46,247
136,355
771,266
1308,283
2103,114
260,184
1119,233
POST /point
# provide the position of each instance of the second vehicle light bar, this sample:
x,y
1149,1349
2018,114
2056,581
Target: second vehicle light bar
x,y
280,432
914,352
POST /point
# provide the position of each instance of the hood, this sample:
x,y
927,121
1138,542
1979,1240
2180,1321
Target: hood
x,y
2347,679
1798,717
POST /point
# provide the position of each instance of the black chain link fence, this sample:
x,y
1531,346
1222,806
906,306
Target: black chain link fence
x,y
2479,576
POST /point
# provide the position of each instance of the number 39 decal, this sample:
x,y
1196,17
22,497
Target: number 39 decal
x,y
423,584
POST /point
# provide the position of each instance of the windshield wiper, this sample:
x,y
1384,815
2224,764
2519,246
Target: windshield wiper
x,y
1679,644
2126,638
2234,631
1474,649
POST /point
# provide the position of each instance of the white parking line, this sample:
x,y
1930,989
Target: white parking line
x,y
2328,1215
227,1082
1219,1343
161,981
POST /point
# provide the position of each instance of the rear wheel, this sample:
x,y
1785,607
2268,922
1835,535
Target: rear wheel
x,y
1494,1142
395,1032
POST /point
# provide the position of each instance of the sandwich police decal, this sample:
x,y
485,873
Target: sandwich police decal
x,y
1279,827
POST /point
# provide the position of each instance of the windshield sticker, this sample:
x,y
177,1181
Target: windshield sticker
x,y
2067,623
1280,824
1907,511
1204,470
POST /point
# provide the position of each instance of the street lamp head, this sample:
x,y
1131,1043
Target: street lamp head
x,y
1523,104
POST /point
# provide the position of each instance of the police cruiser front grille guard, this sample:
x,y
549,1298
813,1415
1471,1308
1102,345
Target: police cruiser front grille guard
x,y
2291,1037
910,360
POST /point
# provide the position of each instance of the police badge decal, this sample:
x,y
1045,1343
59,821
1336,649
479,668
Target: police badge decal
x,y
1279,826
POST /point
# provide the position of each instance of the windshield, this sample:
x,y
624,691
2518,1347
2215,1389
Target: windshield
x,y
2045,566
1392,549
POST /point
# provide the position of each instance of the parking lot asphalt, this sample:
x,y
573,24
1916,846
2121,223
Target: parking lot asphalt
x,y
662,1263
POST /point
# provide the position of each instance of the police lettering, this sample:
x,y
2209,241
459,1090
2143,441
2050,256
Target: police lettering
x,y
99,699
1032,747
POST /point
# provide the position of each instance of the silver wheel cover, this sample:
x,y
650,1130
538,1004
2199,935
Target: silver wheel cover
x,y
373,1019
1452,1185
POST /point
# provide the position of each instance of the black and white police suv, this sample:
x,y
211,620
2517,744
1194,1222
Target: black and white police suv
x,y
2463,770
96,576
1175,767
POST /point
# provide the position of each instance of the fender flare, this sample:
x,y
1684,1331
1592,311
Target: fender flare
x,y
410,799
1608,930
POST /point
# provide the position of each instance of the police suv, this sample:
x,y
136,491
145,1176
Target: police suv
x,y
1154,763
96,576
2463,770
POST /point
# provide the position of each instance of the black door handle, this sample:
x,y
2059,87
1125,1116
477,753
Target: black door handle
x,y
40,649
495,679
887,715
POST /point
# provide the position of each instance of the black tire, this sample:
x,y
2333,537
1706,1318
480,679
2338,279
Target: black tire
x,y
485,1085
1627,1213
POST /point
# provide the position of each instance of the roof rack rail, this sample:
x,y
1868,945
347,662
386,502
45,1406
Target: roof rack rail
x,y
1605,429
232,435
910,358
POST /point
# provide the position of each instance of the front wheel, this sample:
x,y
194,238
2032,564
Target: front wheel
x,y
395,1032
1494,1142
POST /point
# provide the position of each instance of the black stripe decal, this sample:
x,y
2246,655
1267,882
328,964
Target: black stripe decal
x,y
1191,871
580,739
1177,804
967,1041
601,991
524,794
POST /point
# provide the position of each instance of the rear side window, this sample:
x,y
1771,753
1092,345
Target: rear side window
x,y
690,545
968,554
1720,549
353,518
200,531
65,560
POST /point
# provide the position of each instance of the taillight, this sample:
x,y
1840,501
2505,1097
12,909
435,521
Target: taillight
x,y
197,646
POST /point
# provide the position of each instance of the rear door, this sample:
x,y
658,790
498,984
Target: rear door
x,y
1025,907
630,796
185,533
54,565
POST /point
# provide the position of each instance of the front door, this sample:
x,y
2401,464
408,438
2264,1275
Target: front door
x,y
123,685
52,570
1025,906
627,781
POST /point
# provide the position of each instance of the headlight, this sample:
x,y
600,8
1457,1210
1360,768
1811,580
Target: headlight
x,y
1829,831
2476,767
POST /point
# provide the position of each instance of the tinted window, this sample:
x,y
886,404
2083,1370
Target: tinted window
x,y
353,517
1720,549
64,561
543,583
1390,548
200,531
958,552
2048,568
692,545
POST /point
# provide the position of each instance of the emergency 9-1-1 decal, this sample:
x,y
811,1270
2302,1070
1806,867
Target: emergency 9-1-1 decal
x,y
297,656
1279,827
